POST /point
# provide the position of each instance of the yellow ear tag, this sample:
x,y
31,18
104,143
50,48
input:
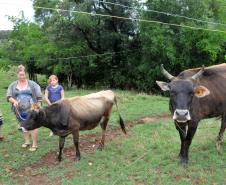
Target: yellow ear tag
x,y
199,92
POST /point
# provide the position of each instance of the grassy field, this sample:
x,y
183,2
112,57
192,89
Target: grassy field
x,y
148,155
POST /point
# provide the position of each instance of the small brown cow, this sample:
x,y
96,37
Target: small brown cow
x,y
74,114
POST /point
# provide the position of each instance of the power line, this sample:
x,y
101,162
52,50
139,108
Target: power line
x,y
131,19
87,56
93,55
164,13
127,18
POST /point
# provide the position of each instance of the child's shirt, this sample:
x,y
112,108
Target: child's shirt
x,y
54,93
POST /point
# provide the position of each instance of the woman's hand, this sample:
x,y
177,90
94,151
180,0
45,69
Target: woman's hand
x,y
15,104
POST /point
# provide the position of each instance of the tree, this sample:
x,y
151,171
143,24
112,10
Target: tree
x,y
180,48
90,50
25,44
80,34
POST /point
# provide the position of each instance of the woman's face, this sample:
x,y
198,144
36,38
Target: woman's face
x,y
21,75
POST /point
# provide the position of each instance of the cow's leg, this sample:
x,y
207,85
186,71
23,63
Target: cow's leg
x,y
221,133
61,146
75,134
103,125
182,133
192,127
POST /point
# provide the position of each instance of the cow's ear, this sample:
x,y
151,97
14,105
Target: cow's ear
x,y
163,85
35,107
201,91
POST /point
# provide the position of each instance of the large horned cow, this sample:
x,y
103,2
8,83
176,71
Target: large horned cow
x,y
196,94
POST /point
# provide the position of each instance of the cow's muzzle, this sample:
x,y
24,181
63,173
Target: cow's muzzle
x,y
24,130
181,115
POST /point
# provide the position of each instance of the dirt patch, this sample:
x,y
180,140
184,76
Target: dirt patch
x,y
148,119
88,144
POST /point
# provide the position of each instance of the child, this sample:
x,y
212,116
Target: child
x,y
54,92
1,122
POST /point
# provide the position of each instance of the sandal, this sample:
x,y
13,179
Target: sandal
x,y
25,145
50,134
33,148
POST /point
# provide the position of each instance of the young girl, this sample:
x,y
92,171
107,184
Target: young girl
x,y
1,122
54,92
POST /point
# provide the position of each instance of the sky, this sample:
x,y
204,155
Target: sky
x,y
13,8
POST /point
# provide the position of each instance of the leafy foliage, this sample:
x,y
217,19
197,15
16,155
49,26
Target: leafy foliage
x,y
88,50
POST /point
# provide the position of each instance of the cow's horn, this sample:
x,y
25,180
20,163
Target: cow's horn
x,y
166,73
197,75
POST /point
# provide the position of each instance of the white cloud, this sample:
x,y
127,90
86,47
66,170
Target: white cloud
x,y
13,8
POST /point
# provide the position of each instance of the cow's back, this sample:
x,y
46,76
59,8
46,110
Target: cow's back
x,y
108,94
213,78
93,106
219,70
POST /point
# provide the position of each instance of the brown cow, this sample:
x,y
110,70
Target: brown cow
x,y
74,114
196,94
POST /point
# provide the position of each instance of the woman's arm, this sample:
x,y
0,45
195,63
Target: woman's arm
x,y
13,101
47,97
10,93
36,92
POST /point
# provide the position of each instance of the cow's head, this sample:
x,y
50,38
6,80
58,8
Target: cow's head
x,y
34,120
182,92
35,107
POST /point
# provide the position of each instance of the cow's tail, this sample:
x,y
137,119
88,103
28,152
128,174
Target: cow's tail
x,y
121,122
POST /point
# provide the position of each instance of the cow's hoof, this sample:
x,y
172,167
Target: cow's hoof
x,y
59,158
218,146
184,163
100,147
77,158
218,143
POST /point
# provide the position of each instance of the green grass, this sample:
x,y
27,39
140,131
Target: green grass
x,y
132,106
147,156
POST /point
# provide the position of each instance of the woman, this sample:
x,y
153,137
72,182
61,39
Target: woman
x,y
22,93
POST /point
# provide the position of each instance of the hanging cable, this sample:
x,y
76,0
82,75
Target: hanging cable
x,y
128,18
164,13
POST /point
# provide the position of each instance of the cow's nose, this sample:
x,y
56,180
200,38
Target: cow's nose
x,y
23,129
181,112
181,115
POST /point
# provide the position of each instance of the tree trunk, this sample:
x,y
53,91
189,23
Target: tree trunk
x,y
69,80
31,70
